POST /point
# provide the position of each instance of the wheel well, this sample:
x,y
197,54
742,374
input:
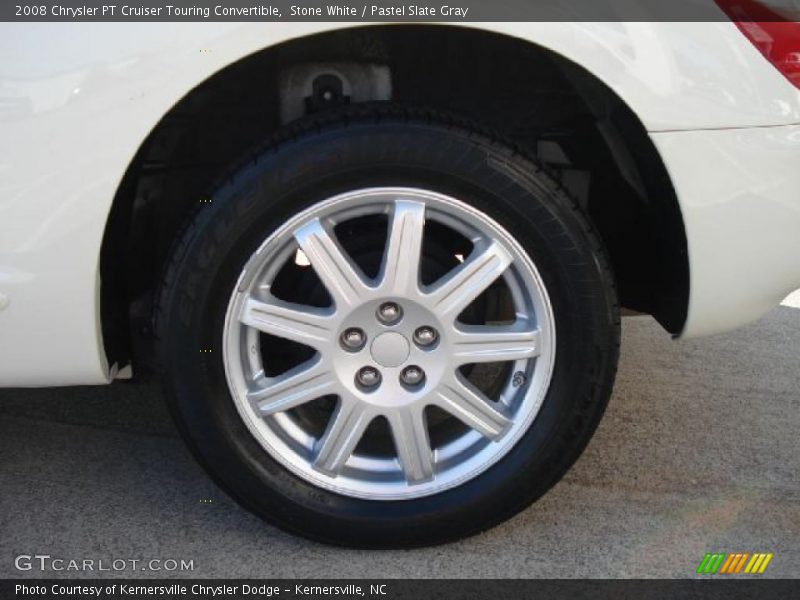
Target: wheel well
x,y
545,104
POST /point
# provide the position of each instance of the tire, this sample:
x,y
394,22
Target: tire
x,y
455,172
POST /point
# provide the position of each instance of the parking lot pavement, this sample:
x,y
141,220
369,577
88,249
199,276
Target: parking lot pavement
x,y
698,452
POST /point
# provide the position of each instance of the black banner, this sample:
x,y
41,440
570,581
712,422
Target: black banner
x,y
391,589
391,10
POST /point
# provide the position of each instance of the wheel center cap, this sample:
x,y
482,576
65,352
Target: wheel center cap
x,y
390,349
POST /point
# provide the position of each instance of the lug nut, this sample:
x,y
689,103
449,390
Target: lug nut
x,y
425,336
368,377
412,375
353,338
389,312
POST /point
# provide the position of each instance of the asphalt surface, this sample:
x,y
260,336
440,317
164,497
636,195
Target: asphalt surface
x,y
698,452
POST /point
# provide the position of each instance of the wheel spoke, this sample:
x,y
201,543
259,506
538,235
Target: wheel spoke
x,y
466,282
340,276
342,435
288,321
470,405
488,343
401,261
302,384
410,434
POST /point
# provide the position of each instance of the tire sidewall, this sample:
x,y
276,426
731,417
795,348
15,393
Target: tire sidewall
x,y
280,182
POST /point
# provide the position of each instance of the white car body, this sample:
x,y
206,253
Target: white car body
x,y
725,122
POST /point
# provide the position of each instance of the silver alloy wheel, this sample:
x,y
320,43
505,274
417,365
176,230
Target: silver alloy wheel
x,y
331,460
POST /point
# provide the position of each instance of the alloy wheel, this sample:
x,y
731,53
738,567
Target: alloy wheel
x,y
391,347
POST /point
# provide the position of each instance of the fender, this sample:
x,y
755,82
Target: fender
x,y
76,102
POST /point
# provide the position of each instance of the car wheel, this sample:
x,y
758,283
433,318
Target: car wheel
x,y
387,329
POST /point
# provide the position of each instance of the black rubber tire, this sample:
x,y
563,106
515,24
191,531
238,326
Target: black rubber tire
x,y
384,146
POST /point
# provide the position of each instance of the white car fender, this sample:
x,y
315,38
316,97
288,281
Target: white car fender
x,y
78,99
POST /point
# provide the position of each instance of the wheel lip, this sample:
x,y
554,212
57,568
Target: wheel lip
x,y
542,368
